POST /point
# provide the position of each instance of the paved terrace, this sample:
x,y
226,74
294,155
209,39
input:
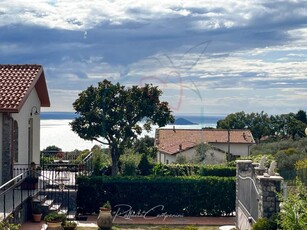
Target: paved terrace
x,y
171,221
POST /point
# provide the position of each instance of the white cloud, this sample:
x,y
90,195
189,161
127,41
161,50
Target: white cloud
x,y
233,55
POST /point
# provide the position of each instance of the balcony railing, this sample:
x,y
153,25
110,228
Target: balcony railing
x,y
55,177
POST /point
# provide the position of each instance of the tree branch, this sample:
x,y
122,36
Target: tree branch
x,y
105,143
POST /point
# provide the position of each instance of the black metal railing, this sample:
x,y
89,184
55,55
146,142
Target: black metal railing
x,y
55,178
11,194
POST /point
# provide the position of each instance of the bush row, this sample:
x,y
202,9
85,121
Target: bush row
x,y
191,170
188,196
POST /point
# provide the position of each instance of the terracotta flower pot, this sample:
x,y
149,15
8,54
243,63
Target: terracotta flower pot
x,y
104,220
55,225
37,217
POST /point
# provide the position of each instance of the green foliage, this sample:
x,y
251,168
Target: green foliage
x,y
201,152
286,153
55,217
107,205
70,224
101,159
181,159
218,170
301,116
145,167
258,123
52,148
176,169
265,224
145,145
301,170
301,164
293,213
129,163
190,196
278,127
110,114
8,225
193,169
257,158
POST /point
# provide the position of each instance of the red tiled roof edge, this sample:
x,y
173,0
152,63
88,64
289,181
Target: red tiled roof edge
x,y
39,83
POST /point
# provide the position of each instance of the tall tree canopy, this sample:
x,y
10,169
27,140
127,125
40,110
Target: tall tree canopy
x,y
111,114
261,124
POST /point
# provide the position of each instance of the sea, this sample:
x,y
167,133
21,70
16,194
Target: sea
x,y
55,129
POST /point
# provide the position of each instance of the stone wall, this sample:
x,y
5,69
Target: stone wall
x,y
264,185
7,159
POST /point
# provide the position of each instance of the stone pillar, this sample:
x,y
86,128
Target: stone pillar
x,y
6,148
266,191
269,189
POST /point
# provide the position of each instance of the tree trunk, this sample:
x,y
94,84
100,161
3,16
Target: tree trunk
x,y
115,159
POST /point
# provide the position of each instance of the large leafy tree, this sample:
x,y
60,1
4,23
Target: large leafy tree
x,y
111,114
258,123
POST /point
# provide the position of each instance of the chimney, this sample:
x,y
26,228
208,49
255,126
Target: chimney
x,y
180,147
174,129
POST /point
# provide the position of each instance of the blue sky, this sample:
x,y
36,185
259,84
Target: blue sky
x,y
208,57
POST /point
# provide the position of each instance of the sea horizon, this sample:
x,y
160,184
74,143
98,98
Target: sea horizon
x,y
55,130
192,117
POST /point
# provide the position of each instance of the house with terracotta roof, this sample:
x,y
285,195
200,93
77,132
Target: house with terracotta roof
x,y
172,143
23,91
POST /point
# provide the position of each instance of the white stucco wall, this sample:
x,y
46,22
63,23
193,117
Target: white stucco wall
x,y
165,158
235,149
215,157
212,157
188,154
169,158
1,120
23,123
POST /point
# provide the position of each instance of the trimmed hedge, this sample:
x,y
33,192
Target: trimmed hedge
x,y
192,170
188,196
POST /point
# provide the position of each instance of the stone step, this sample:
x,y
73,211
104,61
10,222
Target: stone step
x,y
47,203
39,199
63,211
55,207
71,215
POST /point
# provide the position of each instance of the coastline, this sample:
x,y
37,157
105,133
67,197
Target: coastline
x,y
55,130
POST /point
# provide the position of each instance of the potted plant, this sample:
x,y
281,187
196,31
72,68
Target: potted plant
x,y
69,225
37,213
106,206
104,220
55,219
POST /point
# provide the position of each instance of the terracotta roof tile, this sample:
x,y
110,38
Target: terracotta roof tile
x,y
172,141
16,82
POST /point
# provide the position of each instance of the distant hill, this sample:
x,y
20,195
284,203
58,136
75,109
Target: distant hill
x,y
183,121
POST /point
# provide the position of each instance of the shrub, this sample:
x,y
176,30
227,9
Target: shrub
x,y
264,224
217,170
55,217
293,213
145,167
301,170
129,164
301,164
193,169
176,169
191,196
7,225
